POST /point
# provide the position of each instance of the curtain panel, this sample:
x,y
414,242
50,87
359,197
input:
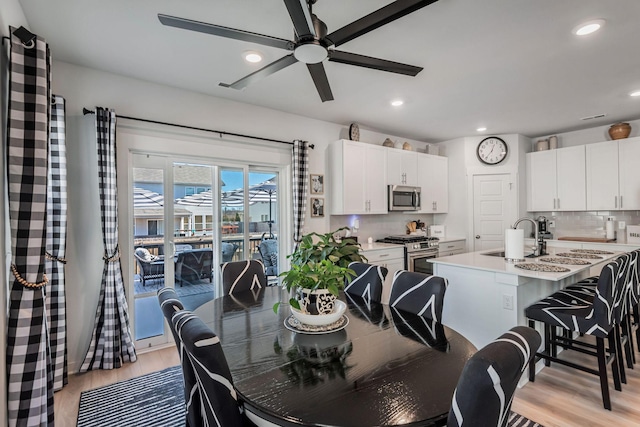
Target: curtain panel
x,y
111,342
29,379
56,242
300,161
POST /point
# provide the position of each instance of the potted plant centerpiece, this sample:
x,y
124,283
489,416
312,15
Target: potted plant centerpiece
x,y
319,269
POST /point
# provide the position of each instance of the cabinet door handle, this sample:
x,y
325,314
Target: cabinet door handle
x,y
615,203
558,203
383,255
620,202
554,203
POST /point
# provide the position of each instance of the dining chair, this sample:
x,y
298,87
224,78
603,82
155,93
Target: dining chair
x,y
418,293
368,281
269,253
489,379
170,305
217,397
238,276
150,266
573,311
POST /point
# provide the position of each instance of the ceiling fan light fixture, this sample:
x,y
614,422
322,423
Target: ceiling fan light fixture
x,y
397,102
588,27
310,53
252,57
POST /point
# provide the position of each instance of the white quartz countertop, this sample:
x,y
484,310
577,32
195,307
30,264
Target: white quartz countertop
x,y
478,261
376,246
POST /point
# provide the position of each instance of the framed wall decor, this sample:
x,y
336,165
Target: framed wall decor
x,y
317,184
317,207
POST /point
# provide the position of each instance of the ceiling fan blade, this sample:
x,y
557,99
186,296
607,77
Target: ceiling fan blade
x,y
278,65
374,63
376,19
231,33
320,80
301,18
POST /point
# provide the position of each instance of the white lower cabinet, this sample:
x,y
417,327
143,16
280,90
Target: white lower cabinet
x,y
357,178
390,258
452,247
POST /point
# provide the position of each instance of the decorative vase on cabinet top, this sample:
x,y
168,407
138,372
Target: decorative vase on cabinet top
x,y
619,130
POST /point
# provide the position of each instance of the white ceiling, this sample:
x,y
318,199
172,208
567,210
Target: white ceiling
x,y
510,65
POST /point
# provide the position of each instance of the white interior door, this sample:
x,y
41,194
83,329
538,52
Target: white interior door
x,y
493,196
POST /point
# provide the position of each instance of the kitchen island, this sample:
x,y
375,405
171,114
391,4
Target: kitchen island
x,y
487,295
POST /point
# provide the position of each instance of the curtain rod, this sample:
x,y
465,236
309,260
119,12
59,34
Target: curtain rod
x,y
220,132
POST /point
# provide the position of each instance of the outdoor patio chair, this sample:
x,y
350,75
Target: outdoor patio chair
x,y
269,252
228,250
194,265
151,266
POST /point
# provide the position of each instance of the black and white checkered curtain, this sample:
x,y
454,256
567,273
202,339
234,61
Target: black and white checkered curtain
x,y
56,242
300,183
30,381
111,343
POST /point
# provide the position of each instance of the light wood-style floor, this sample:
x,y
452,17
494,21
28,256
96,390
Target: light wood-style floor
x,y
560,397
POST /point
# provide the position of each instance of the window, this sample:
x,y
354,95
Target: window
x,y
152,227
189,191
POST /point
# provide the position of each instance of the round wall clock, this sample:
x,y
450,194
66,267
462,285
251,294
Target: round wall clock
x,y
492,150
354,132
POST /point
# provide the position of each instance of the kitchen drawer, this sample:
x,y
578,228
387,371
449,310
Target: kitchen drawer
x,y
381,256
450,252
457,246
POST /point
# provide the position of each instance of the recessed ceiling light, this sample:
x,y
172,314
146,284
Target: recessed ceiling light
x,y
397,102
588,27
481,129
636,93
252,57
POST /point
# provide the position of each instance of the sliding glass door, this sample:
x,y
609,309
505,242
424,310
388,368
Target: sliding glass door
x,y
188,218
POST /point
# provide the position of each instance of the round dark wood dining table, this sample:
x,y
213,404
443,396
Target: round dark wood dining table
x,y
385,368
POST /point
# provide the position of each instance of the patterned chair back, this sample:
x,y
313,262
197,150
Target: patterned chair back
x,y
418,293
489,379
368,281
241,276
218,401
609,302
170,305
635,279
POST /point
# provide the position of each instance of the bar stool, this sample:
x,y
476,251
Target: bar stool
x,y
596,318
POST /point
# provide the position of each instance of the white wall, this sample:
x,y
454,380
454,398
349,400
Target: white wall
x,y
588,136
10,14
83,87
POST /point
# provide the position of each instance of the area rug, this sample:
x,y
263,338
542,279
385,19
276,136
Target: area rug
x,y
157,400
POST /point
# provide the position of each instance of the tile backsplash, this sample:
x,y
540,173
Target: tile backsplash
x,y
379,226
589,223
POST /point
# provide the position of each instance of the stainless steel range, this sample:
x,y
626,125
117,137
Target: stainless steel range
x,y
417,250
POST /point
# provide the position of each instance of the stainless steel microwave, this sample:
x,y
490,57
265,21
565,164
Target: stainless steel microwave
x,y
403,198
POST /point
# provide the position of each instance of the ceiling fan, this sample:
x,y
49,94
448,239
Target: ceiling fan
x,y
312,44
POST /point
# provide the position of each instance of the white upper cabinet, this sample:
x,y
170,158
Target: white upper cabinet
x,y
613,175
556,180
402,167
357,173
629,163
433,178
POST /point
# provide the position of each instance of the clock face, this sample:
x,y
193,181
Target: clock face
x,y
492,150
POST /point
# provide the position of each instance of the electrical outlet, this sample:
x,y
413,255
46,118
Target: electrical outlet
x,y
621,225
507,302
552,224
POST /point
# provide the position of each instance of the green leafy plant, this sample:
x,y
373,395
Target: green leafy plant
x,y
321,262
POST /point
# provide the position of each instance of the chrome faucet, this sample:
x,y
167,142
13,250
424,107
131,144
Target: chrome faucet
x,y
539,246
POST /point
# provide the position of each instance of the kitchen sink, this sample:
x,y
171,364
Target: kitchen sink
x,y
498,254
502,254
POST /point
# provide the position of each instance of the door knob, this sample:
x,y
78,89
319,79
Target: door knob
x,y
477,236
